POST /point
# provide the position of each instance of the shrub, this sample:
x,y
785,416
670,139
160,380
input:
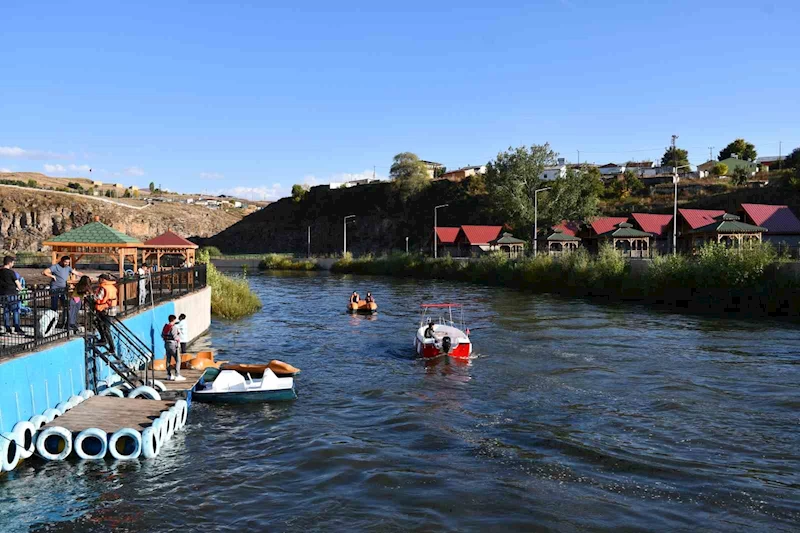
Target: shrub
x,y
281,262
212,251
230,298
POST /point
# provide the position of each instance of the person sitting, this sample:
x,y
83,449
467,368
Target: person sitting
x,y
429,330
369,299
354,298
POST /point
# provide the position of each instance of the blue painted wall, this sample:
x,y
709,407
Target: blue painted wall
x,y
31,383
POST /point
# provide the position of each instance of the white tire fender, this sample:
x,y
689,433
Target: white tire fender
x,y
51,414
91,444
151,442
125,444
113,391
54,443
25,437
146,392
10,452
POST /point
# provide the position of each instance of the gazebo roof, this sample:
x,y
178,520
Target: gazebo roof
x,y
169,239
507,238
729,224
626,230
559,235
93,234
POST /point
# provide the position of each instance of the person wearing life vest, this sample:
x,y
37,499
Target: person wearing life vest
x,y
354,298
369,299
105,303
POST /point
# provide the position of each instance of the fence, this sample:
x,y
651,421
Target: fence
x,y
36,317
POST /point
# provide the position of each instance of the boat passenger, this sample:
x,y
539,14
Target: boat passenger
x,y
429,330
354,298
369,299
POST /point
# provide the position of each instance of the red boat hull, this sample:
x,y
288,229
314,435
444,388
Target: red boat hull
x,y
429,351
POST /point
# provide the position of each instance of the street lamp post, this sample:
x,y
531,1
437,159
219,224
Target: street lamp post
x,y
435,224
309,242
344,247
536,219
406,245
675,180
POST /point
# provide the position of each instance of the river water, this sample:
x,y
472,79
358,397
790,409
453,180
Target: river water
x,y
571,416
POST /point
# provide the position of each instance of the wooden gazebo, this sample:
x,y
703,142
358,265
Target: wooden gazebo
x,y
95,239
629,240
168,243
508,244
560,242
728,230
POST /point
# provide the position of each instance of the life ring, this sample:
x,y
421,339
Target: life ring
x,y
183,405
54,444
146,392
51,414
91,444
63,407
86,394
151,442
38,421
9,452
74,400
125,444
113,391
156,384
25,437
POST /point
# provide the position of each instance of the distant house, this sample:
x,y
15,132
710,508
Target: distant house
x,y
97,184
119,186
237,204
432,167
783,227
732,163
446,241
643,169
475,240
462,173
554,172
133,188
769,162
660,226
568,227
611,169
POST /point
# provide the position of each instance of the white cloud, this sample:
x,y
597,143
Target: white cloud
x,y
5,170
310,181
133,171
211,176
54,168
271,192
348,176
80,168
60,169
15,152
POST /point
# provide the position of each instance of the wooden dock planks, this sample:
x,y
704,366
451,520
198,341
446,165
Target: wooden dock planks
x,y
111,414
192,377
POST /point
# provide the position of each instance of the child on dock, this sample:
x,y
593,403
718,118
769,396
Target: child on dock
x,y
183,331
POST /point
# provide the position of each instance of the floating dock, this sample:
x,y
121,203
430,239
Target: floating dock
x,y
111,414
178,390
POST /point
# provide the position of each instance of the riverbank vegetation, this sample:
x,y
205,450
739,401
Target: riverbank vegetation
x,y
756,279
230,298
283,262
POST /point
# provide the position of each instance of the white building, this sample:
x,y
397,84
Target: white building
x,y
611,169
555,172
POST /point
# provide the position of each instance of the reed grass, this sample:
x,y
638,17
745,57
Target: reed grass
x,y
282,262
230,298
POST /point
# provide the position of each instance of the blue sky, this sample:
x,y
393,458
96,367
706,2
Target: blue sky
x,y
252,98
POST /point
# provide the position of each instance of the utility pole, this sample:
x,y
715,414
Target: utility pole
x,y
309,242
536,219
710,150
780,147
406,245
579,157
435,236
344,247
373,172
675,210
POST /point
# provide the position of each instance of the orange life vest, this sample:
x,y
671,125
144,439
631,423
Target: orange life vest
x,y
109,299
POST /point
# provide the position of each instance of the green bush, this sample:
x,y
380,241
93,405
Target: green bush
x,y
230,298
212,251
282,262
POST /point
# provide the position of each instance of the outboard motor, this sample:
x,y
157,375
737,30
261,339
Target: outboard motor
x,y
447,343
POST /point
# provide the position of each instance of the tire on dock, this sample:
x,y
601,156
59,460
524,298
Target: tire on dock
x,y
54,443
91,444
125,444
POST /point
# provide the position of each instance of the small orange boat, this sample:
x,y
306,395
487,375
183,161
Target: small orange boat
x,y
362,307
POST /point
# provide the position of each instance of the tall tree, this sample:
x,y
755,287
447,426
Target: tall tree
x,y
676,157
741,148
739,176
410,175
152,186
793,159
513,177
573,197
298,193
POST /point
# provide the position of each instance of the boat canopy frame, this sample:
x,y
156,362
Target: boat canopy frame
x,y
443,319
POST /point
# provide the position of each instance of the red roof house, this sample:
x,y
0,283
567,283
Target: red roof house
x,y
606,224
778,219
479,235
697,218
447,235
658,225
568,227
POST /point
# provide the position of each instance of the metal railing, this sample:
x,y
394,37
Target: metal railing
x,y
39,316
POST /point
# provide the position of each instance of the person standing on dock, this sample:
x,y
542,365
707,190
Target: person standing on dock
x,y
183,331
9,297
172,340
144,274
105,303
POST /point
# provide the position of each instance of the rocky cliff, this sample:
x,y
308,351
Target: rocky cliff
x,y
30,216
382,220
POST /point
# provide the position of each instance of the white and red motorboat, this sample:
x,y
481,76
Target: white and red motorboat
x,y
438,336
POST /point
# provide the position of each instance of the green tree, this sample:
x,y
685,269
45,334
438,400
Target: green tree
x,y
298,193
513,177
719,169
32,183
127,193
632,183
409,175
793,159
740,147
676,157
152,187
573,197
437,172
740,175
